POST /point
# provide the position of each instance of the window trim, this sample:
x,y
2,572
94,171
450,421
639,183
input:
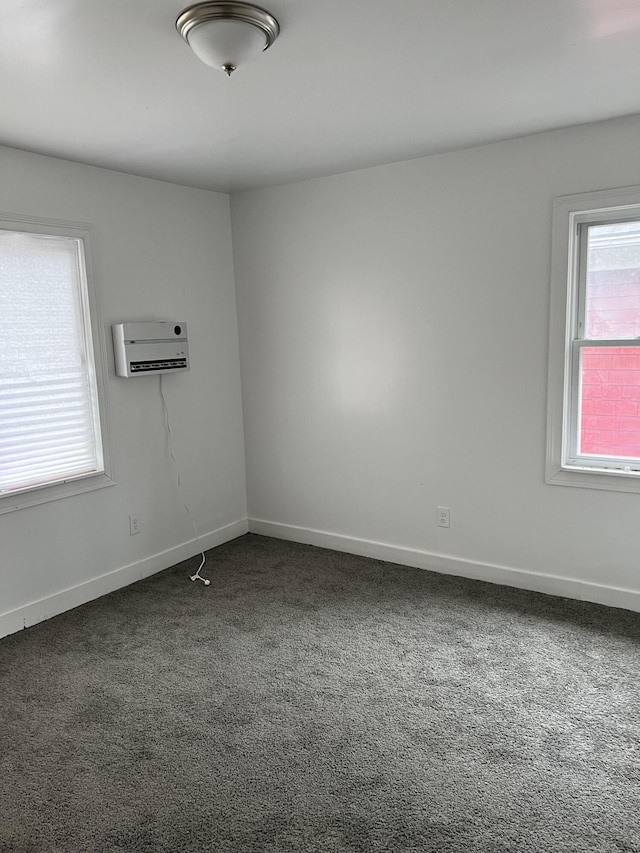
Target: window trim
x,y
569,212
95,337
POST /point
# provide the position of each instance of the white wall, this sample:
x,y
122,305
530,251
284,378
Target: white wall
x,y
393,330
160,252
393,336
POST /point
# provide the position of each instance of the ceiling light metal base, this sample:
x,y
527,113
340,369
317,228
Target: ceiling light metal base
x,y
247,13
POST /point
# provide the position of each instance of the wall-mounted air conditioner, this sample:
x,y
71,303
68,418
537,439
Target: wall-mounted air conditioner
x,y
144,348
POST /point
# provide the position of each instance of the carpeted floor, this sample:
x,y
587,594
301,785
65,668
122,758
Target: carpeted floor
x,y
315,702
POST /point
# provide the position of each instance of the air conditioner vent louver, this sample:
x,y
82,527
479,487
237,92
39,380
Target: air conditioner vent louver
x,y
155,366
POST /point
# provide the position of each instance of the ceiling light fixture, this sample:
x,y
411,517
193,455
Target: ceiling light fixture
x,y
224,34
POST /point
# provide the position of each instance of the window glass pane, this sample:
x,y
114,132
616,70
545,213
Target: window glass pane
x,y
613,281
49,429
609,417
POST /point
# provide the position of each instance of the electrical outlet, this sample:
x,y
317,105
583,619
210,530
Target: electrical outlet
x,y
442,518
134,524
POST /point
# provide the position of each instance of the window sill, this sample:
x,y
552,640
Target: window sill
x,y
54,492
590,478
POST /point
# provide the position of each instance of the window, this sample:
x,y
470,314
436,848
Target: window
x,y
51,431
594,364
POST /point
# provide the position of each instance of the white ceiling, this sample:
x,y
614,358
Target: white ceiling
x,y
348,84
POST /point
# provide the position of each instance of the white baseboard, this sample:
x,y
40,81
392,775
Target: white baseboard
x,y
627,599
45,608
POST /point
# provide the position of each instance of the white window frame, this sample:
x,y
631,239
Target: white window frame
x,y
564,465
96,345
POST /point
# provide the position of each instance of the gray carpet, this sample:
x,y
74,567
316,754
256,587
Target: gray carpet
x,y
311,701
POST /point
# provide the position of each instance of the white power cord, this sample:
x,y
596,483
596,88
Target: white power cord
x,y
197,576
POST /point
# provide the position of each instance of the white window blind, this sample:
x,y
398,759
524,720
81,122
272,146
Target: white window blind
x,y
49,422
